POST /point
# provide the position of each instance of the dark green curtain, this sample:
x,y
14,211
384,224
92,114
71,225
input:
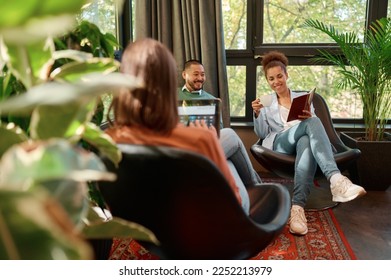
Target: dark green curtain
x,y
192,29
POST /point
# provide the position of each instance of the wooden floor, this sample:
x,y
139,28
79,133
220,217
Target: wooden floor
x,y
366,223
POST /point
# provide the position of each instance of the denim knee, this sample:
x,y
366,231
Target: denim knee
x,y
228,132
313,121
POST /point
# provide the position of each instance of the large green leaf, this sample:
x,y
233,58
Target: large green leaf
x,y
17,12
102,142
25,21
71,195
33,162
73,71
30,63
21,12
34,227
37,29
65,121
55,93
10,135
100,224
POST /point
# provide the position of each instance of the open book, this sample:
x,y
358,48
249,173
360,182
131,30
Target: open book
x,y
299,104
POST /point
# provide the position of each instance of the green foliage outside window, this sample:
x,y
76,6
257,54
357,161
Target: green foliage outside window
x,y
103,13
283,19
283,25
235,23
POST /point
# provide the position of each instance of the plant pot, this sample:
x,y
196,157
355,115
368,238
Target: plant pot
x,y
372,169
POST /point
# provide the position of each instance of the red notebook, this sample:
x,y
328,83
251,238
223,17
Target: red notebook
x,y
299,104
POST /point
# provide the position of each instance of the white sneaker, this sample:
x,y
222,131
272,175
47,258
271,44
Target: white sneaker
x,y
344,190
298,221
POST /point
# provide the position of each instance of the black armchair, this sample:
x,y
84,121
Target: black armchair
x,y
283,164
186,202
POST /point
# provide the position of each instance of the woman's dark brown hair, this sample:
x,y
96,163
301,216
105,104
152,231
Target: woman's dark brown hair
x,y
155,105
273,59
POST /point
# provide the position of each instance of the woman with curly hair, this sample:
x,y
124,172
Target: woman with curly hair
x,y
306,138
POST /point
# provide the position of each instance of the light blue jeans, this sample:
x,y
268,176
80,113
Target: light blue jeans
x,y
235,151
239,164
309,142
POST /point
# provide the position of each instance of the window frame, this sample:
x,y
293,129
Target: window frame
x,y
298,54
125,24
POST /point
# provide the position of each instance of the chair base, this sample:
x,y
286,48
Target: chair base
x,y
319,199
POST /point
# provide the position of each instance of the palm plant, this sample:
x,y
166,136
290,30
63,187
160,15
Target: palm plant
x,y
366,69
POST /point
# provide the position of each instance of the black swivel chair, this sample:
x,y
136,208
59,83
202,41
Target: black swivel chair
x,y
186,202
283,164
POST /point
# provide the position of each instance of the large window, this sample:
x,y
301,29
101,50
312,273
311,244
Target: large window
x,y
253,27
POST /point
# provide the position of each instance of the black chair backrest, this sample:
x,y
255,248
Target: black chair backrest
x,y
185,201
283,164
323,113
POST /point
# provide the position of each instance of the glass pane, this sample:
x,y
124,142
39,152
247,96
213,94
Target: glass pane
x,y
342,103
237,90
103,13
235,22
283,19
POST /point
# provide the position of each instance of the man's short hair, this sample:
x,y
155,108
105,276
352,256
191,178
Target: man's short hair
x,y
191,62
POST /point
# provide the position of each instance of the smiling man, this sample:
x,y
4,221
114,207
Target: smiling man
x,y
194,76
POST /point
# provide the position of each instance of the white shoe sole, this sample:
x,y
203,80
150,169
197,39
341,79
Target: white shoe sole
x,y
298,233
349,198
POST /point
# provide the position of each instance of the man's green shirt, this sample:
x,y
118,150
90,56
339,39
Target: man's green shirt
x,y
184,94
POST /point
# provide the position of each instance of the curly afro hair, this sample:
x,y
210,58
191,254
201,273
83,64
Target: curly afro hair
x,y
273,59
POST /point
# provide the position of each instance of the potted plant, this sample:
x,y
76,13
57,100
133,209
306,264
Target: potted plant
x,y
44,168
365,66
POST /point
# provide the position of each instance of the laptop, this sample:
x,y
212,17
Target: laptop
x,y
200,109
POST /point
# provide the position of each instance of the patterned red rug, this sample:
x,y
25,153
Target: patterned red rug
x,y
324,241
